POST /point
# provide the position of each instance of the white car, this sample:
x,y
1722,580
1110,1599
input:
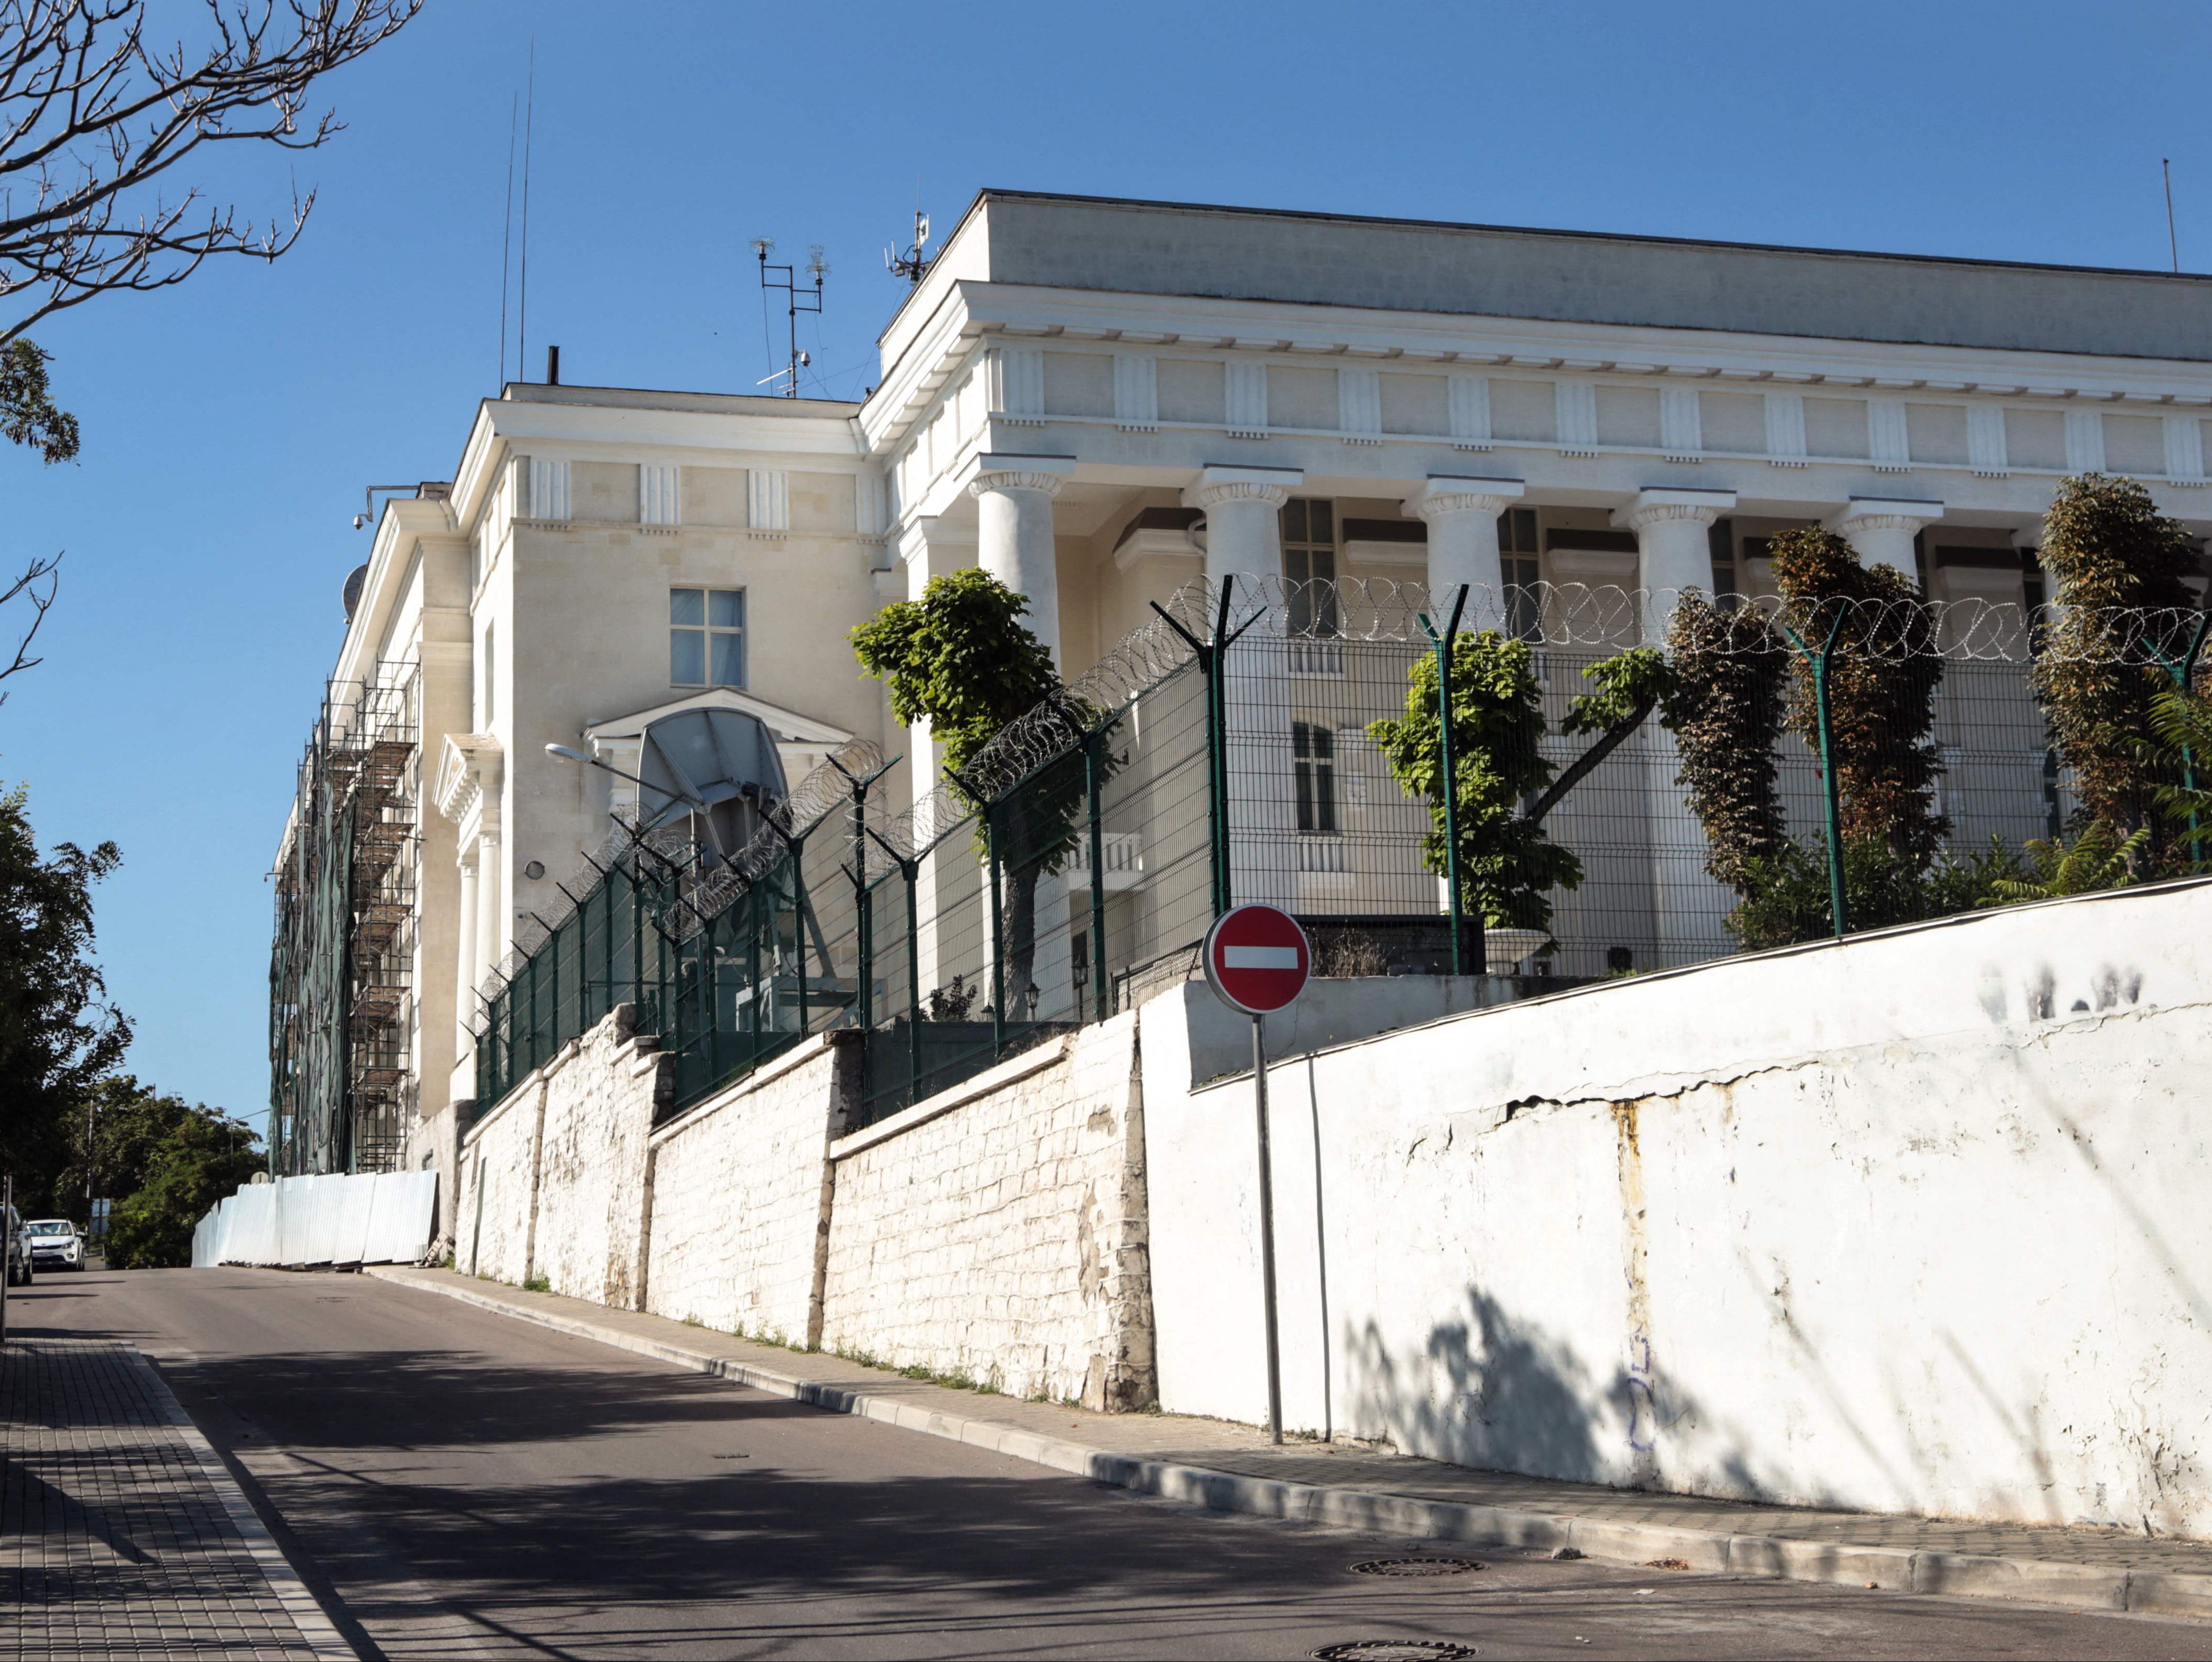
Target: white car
x,y
55,1244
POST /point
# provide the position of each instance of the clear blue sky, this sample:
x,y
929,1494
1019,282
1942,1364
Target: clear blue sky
x,y
231,425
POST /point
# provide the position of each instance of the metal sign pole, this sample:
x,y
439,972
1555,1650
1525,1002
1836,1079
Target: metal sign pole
x,y
8,1277
1268,1232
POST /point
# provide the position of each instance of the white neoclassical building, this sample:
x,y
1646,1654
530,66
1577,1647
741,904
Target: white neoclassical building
x,y
1097,400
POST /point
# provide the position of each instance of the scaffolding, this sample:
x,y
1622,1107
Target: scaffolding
x,y
341,976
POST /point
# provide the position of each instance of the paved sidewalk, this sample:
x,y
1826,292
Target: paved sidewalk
x,y
1233,1468
121,1532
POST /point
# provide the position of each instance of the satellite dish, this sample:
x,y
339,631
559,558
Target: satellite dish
x,y
356,580
717,767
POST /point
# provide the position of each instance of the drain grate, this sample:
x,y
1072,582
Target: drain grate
x,y
1415,1567
1394,1650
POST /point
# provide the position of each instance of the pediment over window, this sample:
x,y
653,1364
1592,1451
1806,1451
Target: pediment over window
x,y
801,741
469,768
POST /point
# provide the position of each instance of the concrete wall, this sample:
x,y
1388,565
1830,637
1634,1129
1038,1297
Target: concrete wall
x,y
739,1197
1913,1224
999,1230
597,1114
498,1200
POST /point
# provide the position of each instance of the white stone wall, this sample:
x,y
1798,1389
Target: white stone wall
x,y
998,1231
1913,1224
737,1198
498,1199
599,1096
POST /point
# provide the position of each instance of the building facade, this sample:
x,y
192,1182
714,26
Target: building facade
x,y
1098,401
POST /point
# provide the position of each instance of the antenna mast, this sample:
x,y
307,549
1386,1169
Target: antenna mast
x,y
798,298
2173,247
914,263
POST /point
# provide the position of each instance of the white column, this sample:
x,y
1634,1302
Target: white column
x,y
1014,541
1244,541
1674,552
465,1001
489,905
1880,531
1244,519
1462,519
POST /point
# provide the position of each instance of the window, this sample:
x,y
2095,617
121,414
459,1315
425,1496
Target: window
x,y
490,681
1309,557
1516,564
707,637
1313,749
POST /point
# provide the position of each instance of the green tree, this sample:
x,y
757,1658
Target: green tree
x,y
1726,710
961,659
1883,674
203,1158
2110,548
127,1122
1506,862
58,1033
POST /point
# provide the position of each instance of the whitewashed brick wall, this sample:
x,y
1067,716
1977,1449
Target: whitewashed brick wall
x,y
737,1198
591,1165
499,1161
1004,1236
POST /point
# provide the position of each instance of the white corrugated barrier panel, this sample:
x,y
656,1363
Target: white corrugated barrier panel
x,y
379,1217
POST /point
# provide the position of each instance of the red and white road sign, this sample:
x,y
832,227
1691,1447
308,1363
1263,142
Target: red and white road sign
x,y
1257,959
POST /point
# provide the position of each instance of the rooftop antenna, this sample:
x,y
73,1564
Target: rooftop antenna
x,y
507,234
529,122
2165,165
799,298
913,263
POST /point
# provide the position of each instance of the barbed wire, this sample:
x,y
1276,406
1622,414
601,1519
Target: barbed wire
x,y
1349,611
1579,614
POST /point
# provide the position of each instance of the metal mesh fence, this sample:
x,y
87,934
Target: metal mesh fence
x,y
1261,743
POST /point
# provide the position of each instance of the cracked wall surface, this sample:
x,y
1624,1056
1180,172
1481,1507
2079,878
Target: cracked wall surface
x,y
1912,1224
1005,1240
738,1194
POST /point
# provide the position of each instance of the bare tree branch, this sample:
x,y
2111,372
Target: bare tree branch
x,y
45,570
93,116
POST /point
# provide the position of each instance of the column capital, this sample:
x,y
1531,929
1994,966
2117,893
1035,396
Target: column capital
x,y
1441,494
999,479
1652,507
992,471
1215,485
1906,514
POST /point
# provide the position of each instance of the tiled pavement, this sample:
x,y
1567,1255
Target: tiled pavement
x,y
1233,1467
122,1535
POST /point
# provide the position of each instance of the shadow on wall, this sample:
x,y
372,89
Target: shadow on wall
x,y
1498,1393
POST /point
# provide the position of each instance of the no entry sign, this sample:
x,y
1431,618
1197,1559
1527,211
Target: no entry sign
x,y
1257,959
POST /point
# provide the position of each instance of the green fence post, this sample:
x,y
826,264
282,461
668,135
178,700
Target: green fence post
x,y
911,870
1456,900
1094,764
998,940
799,926
1213,659
2182,672
1830,787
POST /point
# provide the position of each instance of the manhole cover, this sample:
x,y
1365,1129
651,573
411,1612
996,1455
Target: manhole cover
x,y
1394,1650
1415,1567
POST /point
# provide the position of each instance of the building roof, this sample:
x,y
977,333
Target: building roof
x,y
1203,250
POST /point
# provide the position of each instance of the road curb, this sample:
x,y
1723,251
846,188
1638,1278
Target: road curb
x,y
316,1630
1957,1575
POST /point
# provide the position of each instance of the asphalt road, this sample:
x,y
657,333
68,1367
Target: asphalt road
x,y
455,1485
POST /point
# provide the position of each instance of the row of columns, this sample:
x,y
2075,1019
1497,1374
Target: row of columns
x,y
1242,509
1244,538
